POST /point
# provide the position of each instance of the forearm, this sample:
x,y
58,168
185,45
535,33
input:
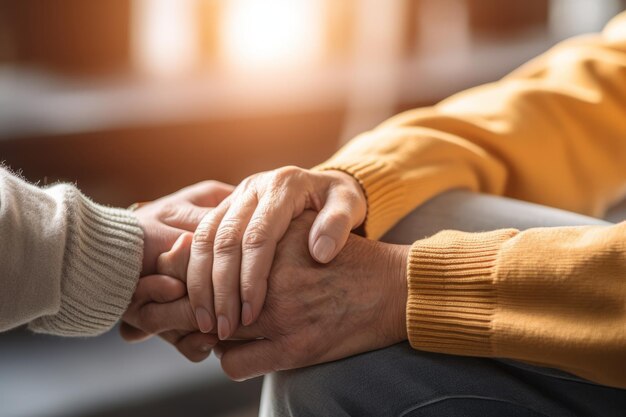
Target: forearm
x,y
68,266
550,296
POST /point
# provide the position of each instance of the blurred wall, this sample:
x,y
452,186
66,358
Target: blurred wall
x,y
122,166
75,104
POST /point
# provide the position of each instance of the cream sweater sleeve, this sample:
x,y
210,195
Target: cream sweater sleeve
x,y
68,266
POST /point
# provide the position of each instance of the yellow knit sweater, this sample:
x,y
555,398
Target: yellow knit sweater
x,y
553,132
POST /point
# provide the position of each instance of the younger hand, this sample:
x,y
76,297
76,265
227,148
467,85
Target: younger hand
x,y
165,219
160,306
234,245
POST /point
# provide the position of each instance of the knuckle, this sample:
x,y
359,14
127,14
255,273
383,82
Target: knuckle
x,y
290,170
256,237
228,238
285,175
202,240
203,236
248,182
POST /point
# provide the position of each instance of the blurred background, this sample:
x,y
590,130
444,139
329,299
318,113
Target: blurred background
x,y
134,99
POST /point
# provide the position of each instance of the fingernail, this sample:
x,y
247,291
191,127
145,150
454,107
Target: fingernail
x,y
324,248
223,328
246,314
205,324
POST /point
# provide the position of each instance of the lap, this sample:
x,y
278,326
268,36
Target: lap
x,y
471,212
398,381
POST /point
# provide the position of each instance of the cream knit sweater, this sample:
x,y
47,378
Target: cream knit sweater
x,y
68,266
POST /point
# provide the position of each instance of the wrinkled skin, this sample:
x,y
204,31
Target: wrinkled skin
x,y
318,313
234,245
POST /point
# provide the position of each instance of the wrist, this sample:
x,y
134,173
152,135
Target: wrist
x,y
397,290
146,267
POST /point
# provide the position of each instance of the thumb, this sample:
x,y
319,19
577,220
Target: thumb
x,y
174,262
331,228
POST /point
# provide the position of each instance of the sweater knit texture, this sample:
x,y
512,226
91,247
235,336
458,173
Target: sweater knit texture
x,y
69,266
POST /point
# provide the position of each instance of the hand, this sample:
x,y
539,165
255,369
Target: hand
x,y
165,219
160,306
234,245
318,313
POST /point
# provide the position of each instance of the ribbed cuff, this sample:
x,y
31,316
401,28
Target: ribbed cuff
x,y
101,265
383,189
452,291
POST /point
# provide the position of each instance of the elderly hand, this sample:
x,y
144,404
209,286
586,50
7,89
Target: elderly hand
x,y
318,313
234,245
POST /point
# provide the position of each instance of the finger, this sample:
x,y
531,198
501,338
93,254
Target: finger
x,y
174,262
158,289
196,346
254,331
207,193
225,345
200,268
158,318
160,242
185,216
132,334
227,263
251,359
265,229
331,228
150,289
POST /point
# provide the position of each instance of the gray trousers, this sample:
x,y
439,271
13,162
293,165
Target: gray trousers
x,y
399,381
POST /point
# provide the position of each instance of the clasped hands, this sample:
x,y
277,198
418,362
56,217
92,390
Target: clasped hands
x,y
267,274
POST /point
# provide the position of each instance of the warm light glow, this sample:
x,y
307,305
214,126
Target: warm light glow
x,y
165,36
271,34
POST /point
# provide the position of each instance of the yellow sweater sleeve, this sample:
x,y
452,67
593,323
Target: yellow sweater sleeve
x,y
553,132
550,296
